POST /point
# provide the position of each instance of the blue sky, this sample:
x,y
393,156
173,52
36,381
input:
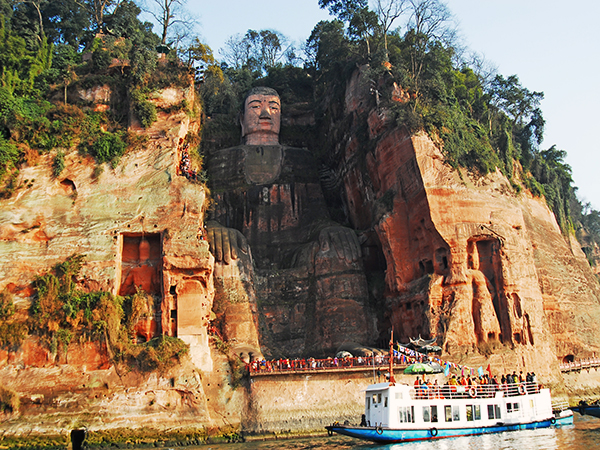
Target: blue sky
x,y
551,46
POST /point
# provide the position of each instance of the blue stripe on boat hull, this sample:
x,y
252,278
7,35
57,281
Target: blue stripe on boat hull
x,y
390,435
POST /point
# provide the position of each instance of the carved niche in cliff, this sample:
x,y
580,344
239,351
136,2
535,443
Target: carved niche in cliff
x,y
141,273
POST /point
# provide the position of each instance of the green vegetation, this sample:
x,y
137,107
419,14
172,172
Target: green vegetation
x,y
49,51
483,121
13,329
62,313
9,400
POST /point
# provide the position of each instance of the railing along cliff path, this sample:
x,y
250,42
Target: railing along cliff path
x,y
576,366
354,364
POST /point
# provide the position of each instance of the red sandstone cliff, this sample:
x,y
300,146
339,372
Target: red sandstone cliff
x,y
138,225
467,258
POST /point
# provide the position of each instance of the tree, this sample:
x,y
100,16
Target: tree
x,y
37,6
361,21
344,10
173,18
518,102
256,50
427,25
66,22
97,9
64,62
387,13
430,18
326,47
20,65
201,58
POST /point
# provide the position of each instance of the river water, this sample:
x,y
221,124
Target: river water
x,y
584,434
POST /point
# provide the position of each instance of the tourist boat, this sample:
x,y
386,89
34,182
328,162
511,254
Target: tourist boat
x,y
401,413
589,409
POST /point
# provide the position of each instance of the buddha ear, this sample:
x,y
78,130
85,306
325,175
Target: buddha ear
x,y
240,119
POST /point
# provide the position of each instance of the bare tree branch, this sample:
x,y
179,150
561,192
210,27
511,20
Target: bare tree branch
x,y
387,12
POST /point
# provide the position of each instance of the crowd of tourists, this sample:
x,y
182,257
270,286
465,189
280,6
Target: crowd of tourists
x,y
185,167
286,364
485,385
456,386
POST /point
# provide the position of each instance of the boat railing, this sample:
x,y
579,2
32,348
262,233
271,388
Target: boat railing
x,y
559,406
425,391
286,365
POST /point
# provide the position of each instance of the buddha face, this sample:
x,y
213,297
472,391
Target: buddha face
x,y
261,119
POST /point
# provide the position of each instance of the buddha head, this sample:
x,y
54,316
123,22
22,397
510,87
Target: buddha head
x,y
261,117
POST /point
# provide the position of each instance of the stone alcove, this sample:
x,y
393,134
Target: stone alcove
x,y
141,271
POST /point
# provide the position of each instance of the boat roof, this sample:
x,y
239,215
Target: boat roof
x,y
386,385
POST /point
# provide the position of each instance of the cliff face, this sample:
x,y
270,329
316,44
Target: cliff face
x,y
467,259
445,254
139,226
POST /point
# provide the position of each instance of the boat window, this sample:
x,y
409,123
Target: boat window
x,y
426,416
515,406
374,399
509,407
398,395
448,413
385,402
455,412
494,412
473,412
378,398
368,402
406,414
434,413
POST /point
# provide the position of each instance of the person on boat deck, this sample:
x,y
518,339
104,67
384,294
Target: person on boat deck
x,y
436,390
430,392
424,388
495,382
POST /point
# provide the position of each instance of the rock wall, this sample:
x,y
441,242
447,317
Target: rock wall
x,y
468,260
138,224
463,258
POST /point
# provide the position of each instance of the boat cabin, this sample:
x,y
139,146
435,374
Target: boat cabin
x,y
402,406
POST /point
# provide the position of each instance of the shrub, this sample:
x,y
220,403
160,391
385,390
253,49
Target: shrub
x,y
62,312
9,400
146,113
58,165
161,353
12,331
144,110
109,147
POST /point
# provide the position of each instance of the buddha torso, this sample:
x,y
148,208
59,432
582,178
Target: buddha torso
x,y
271,194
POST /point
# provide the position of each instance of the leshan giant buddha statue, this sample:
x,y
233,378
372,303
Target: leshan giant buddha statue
x,y
280,263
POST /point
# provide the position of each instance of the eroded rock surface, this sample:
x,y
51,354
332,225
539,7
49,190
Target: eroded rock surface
x,y
468,260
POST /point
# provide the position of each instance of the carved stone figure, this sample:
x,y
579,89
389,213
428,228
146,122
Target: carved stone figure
x,y
485,320
271,229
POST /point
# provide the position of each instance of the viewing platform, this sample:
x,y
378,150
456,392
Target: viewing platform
x,y
303,366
